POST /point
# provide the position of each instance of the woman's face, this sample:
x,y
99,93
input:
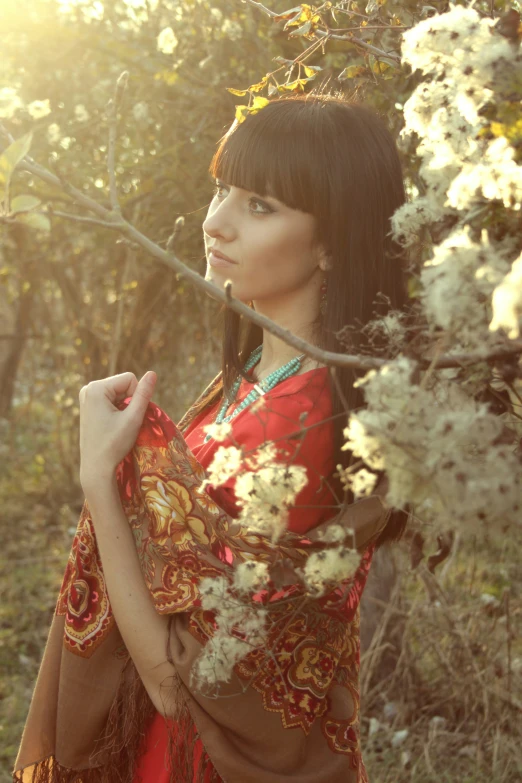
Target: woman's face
x,y
271,244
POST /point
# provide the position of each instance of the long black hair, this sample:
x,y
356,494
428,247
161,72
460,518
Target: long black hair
x,y
334,159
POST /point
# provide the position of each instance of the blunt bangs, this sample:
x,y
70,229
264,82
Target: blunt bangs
x,y
277,152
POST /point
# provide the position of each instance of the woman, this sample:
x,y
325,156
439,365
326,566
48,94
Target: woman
x,y
304,193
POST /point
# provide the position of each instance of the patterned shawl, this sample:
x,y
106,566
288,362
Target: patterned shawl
x,y
290,712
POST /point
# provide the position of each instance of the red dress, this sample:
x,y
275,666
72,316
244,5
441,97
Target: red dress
x,y
306,393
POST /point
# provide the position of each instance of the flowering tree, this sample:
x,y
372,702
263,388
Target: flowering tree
x,y
441,418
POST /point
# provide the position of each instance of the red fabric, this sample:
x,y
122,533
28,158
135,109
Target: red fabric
x,y
307,393
152,766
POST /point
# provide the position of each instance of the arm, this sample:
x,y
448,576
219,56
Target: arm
x,y
143,630
141,613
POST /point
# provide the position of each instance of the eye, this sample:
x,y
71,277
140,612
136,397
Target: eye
x,y
267,209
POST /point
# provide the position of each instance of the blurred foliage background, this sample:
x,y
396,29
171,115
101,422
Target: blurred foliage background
x,y
78,303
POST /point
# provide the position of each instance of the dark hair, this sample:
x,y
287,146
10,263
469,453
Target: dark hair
x,y
336,160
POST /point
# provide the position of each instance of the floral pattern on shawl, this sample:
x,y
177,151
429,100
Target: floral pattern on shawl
x,y
182,536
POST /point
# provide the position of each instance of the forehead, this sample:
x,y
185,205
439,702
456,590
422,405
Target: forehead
x,y
268,190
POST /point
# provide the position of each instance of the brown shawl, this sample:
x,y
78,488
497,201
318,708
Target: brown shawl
x,y
291,710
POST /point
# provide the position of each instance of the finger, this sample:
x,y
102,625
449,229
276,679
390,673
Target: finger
x,y
142,395
117,387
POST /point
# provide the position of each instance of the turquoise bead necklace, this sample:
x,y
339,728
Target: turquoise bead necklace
x,y
261,388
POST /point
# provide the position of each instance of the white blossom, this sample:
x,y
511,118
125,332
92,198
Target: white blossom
x,y
334,532
390,326
225,464
457,283
497,177
80,113
252,575
362,483
408,219
330,565
219,432
439,447
223,650
167,41
140,111
232,30
507,302
265,485
53,133
265,495
10,102
39,109
444,40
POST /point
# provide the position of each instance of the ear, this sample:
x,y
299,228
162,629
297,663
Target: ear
x,y
325,261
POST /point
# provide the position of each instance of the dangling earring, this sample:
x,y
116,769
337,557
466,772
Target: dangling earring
x,y
322,303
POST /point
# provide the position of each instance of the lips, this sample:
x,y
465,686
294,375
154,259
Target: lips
x,y
217,254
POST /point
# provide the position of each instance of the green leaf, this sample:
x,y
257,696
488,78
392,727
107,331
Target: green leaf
x,y
24,203
37,222
283,61
241,113
303,30
236,92
259,85
292,12
259,102
351,72
378,66
414,287
11,157
296,86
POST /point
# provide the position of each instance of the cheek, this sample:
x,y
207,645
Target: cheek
x,y
278,245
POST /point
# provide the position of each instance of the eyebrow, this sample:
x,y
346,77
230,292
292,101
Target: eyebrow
x,y
269,194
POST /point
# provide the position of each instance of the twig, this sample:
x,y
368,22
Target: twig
x,y
351,38
113,107
178,225
115,345
79,218
508,639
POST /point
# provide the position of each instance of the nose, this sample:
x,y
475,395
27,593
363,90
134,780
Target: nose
x,y
217,224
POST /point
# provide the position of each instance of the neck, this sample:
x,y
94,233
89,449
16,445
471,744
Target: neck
x,y
276,353
287,312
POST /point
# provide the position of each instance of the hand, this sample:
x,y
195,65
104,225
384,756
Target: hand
x,y
106,433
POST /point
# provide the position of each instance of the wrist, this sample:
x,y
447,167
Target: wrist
x,y
96,479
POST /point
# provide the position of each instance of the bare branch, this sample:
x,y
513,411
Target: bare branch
x,y
350,38
112,110
178,225
80,219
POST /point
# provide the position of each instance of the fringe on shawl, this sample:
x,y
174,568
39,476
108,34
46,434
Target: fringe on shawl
x,y
181,751
118,749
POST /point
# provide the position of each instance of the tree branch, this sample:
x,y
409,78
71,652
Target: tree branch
x,y
112,109
115,221
350,38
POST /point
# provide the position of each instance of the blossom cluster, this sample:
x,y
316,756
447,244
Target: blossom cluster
x,y
232,615
442,451
265,485
464,61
